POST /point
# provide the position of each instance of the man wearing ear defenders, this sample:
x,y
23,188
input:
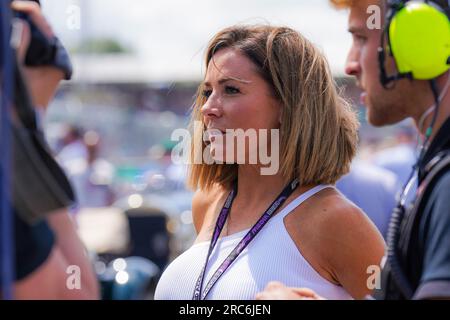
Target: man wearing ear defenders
x,y
45,242
402,67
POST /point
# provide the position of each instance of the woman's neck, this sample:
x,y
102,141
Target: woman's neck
x,y
252,186
255,193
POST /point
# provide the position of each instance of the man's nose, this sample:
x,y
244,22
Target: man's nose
x,y
352,65
352,68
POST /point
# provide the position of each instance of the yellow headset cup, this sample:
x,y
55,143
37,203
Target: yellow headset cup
x,y
420,40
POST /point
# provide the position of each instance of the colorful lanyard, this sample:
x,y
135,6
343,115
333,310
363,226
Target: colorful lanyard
x,y
287,191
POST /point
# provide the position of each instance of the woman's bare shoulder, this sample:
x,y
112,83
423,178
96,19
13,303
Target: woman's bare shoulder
x,y
343,218
338,238
330,211
202,203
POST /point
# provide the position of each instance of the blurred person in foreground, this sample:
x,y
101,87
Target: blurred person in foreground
x,y
47,249
411,81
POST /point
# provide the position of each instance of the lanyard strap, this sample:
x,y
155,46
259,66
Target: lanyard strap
x,y
287,191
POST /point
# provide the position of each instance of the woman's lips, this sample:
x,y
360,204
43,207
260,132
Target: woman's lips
x,y
212,133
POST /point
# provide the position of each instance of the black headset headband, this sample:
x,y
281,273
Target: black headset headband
x,y
443,5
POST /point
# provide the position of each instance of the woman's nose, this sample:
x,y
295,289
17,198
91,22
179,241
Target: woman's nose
x,y
212,108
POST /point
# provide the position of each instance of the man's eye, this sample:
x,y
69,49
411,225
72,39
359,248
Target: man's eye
x,y
231,90
206,93
359,38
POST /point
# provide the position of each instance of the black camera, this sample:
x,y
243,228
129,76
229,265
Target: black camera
x,y
44,51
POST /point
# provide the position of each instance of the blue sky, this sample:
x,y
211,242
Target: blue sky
x,y
169,36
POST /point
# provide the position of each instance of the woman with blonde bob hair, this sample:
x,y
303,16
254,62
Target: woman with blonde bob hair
x,y
290,225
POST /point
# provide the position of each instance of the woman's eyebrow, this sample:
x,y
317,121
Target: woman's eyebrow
x,y
226,79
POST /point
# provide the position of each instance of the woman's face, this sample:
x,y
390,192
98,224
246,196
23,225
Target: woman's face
x,y
237,97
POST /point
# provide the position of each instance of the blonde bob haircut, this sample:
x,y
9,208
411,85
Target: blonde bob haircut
x,y
318,129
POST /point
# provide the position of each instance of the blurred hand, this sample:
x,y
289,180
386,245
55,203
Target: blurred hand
x,y
278,291
42,81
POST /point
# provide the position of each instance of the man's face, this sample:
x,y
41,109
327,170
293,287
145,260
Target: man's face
x,y
384,107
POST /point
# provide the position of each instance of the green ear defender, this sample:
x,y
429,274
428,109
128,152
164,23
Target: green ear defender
x,y
418,38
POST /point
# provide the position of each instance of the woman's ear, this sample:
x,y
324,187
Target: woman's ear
x,y
280,112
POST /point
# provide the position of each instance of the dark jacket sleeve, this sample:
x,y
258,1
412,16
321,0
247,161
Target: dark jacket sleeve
x,y
33,244
435,281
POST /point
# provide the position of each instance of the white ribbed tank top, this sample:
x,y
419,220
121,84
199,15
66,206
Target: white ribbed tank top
x,y
271,256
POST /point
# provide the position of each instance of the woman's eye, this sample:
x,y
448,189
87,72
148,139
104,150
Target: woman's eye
x,y
206,93
231,90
